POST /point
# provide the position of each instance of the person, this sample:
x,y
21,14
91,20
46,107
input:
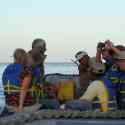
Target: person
x,y
38,54
11,76
88,71
120,62
2,99
17,80
37,58
50,100
105,51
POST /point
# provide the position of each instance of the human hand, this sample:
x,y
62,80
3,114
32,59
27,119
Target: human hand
x,y
108,44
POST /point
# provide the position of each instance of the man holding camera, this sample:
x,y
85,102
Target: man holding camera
x,y
104,52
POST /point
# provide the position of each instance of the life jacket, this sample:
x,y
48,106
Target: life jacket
x,y
108,63
12,73
111,81
66,91
12,86
113,74
121,92
36,74
42,73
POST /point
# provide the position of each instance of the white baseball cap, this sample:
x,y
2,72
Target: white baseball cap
x,y
120,55
80,55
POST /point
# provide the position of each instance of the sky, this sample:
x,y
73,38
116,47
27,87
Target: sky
x,y
68,26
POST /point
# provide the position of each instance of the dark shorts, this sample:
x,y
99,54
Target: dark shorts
x,y
49,104
81,105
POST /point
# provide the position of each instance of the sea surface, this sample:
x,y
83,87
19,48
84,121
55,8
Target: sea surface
x,y
54,67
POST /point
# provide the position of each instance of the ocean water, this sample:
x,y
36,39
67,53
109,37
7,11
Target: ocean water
x,y
63,68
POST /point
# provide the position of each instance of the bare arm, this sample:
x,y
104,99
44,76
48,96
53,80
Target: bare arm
x,y
115,50
110,46
98,56
100,46
24,89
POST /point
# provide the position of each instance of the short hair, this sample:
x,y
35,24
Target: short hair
x,y
37,42
19,53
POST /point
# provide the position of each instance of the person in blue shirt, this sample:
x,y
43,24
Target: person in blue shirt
x,y
18,83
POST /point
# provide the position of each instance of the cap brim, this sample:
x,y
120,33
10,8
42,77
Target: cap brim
x,y
120,58
74,61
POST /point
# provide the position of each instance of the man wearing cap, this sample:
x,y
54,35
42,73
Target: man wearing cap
x,y
88,71
105,51
83,59
120,62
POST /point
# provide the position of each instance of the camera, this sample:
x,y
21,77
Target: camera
x,y
100,46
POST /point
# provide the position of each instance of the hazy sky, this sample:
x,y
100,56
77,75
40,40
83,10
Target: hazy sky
x,y
67,25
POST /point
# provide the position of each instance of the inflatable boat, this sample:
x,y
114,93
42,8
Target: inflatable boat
x,y
63,117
